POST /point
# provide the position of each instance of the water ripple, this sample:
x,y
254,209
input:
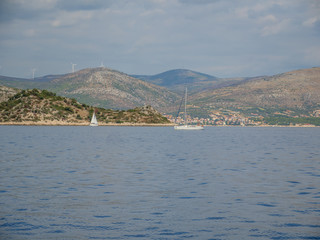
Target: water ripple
x,y
122,182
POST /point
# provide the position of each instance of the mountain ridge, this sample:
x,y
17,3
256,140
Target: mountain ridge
x,y
295,90
176,76
177,79
102,87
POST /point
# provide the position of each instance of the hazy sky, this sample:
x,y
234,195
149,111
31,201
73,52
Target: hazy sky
x,y
224,38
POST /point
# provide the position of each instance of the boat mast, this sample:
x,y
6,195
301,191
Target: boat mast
x,y
185,108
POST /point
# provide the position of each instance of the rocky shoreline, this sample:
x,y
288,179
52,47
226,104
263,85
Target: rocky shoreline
x,y
63,123
60,123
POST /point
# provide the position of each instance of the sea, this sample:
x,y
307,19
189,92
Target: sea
x,y
76,182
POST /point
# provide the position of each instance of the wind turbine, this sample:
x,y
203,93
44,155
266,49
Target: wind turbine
x,y
33,71
73,65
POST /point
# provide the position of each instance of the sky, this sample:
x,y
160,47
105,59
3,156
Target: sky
x,y
223,38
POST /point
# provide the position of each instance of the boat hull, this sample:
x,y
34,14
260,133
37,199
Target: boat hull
x,y
188,127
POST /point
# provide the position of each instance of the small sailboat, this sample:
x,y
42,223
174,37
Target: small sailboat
x,y
186,126
94,122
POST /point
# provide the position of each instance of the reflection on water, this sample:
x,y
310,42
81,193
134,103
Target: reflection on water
x,y
157,183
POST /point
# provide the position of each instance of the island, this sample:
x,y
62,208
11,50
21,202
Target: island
x,y
42,107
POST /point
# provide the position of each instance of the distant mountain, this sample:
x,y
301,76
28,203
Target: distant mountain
x,y
44,107
21,83
177,79
295,91
101,87
48,78
111,89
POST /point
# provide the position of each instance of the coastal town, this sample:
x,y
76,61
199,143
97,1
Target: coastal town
x,y
217,118
235,118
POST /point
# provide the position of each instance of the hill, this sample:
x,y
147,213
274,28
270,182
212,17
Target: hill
x,y
176,80
100,87
176,77
295,91
6,93
291,94
44,107
27,83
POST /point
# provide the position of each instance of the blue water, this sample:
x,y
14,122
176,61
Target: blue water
x,y
157,183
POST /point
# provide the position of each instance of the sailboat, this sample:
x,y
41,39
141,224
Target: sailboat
x,y
94,122
186,126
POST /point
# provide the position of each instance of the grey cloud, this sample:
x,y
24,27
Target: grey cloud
x,y
222,38
84,4
199,1
11,10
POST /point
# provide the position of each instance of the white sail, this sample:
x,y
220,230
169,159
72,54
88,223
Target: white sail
x,y
94,121
186,126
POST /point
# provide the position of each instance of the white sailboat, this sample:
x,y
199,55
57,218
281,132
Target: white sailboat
x,y
186,126
94,122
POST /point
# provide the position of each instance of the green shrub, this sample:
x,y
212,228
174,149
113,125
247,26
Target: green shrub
x,y
68,109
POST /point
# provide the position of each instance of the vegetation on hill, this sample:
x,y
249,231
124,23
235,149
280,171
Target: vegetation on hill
x,y
101,87
41,105
293,94
176,80
7,92
286,121
176,77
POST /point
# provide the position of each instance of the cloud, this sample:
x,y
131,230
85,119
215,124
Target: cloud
x,y
276,27
202,2
234,38
71,19
84,5
20,9
30,32
267,19
311,22
311,55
